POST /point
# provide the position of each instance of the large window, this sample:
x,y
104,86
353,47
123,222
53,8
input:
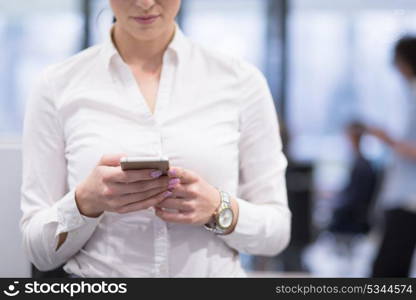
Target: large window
x,y
340,70
33,34
231,27
101,18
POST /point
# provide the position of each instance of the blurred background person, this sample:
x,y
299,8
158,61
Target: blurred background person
x,y
351,215
350,221
399,191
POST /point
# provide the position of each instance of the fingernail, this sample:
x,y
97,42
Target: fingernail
x,y
156,174
167,194
172,172
173,182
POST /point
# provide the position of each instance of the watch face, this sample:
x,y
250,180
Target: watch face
x,y
225,219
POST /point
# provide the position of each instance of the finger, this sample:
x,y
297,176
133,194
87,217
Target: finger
x,y
186,191
111,160
174,217
177,203
128,176
144,204
186,176
135,197
140,186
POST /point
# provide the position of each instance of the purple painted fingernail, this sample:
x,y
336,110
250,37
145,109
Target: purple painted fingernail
x,y
156,174
172,172
173,182
167,194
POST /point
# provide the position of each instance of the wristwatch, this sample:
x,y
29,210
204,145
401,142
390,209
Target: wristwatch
x,y
223,216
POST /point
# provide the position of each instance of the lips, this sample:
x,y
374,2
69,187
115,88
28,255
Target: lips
x,y
146,19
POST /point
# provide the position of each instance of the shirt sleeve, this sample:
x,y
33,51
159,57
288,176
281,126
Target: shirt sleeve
x,y
264,222
48,207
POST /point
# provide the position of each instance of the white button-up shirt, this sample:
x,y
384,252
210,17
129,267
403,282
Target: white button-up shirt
x,y
398,189
214,115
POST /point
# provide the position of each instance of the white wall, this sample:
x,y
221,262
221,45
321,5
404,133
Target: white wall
x,y
13,262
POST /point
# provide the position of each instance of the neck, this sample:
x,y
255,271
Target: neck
x,y
141,52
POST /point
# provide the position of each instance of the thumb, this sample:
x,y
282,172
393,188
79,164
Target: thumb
x,y
111,160
185,175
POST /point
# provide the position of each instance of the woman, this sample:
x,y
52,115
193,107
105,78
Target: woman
x,y
398,194
149,91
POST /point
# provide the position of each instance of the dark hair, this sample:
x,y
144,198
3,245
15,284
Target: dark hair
x,y
356,127
405,50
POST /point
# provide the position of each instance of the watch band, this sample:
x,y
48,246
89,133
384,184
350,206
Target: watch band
x,y
224,204
225,199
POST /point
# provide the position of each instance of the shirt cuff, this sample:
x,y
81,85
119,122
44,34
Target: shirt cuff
x,y
69,217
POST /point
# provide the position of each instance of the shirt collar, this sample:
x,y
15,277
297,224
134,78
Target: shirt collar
x,y
180,45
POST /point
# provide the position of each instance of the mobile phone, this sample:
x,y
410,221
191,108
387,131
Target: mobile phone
x,y
139,163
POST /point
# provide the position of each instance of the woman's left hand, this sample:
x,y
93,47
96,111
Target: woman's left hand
x,y
194,199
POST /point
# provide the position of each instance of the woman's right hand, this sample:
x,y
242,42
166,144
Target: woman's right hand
x,y
109,188
380,134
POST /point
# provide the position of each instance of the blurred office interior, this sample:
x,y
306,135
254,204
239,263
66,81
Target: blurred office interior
x,y
327,63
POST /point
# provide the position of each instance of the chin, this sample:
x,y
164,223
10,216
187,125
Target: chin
x,y
147,34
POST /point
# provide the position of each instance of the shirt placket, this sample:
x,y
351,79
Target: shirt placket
x,y
161,241
165,87
160,229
